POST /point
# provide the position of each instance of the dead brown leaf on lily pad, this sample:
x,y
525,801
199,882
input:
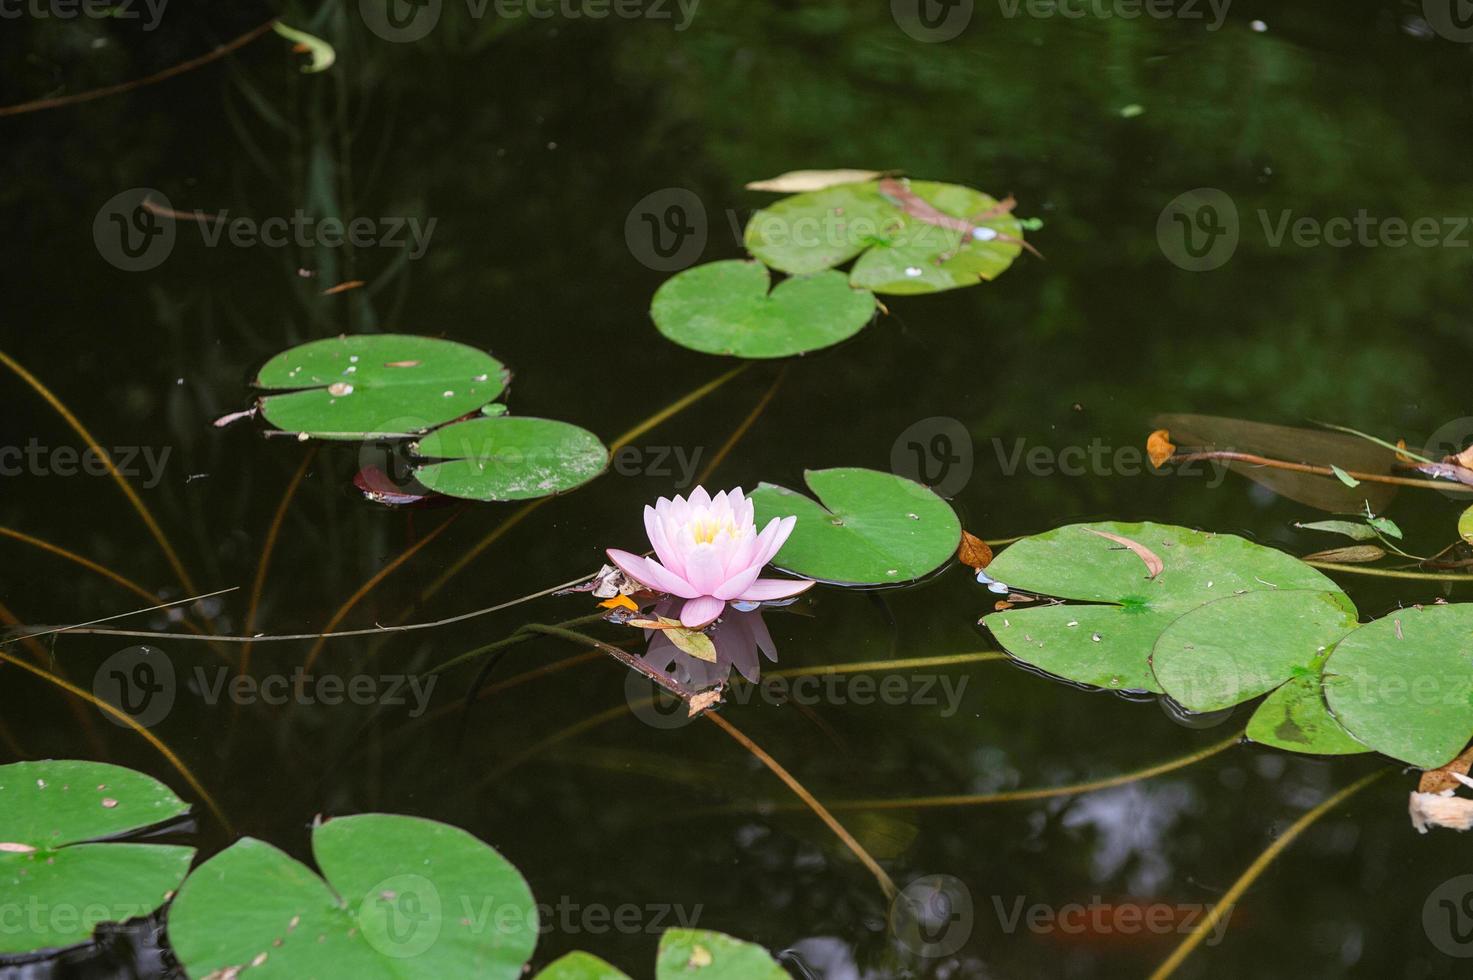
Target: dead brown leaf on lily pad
x,y
974,552
1154,565
1434,802
1350,555
1439,780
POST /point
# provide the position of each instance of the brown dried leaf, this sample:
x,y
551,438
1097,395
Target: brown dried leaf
x,y
1159,447
1350,555
1154,565
1437,780
703,701
974,552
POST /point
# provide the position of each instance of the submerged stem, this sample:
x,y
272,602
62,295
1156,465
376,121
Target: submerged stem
x,y
1279,464
1016,795
1210,921
122,481
811,802
1331,566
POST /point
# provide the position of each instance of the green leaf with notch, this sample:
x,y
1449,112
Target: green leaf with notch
x,y
404,899
1235,648
726,308
867,528
352,388
898,252
1403,684
508,458
1109,644
57,819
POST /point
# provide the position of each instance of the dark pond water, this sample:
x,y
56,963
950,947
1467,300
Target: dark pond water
x,y
534,146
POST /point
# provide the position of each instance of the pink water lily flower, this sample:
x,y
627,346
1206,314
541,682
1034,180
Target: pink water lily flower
x,y
709,554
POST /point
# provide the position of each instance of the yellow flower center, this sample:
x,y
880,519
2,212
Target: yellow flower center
x,y
706,529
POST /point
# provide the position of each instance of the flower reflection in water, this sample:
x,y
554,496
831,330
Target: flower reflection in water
x,y
737,635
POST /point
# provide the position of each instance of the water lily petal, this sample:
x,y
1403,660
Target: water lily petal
x,y
659,537
699,498
741,555
738,583
705,568
776,535
768,589
652,574
701,612
762,637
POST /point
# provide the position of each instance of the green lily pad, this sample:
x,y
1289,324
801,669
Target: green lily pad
x,y
725,308
1294,717
58,886
508,458
1238,647
1109,645
871,528
580,966
1465,525
1403,684
700,954
376,385
898,253
404,899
